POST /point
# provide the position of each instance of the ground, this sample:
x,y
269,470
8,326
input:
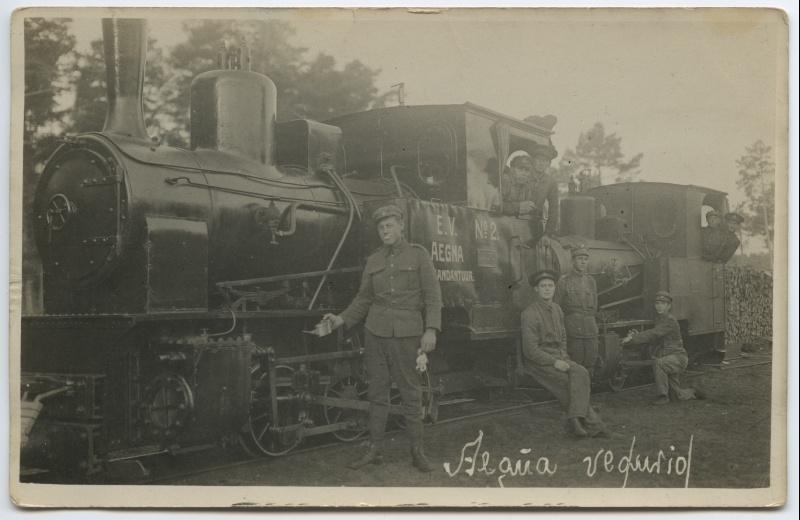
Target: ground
x,y
722,441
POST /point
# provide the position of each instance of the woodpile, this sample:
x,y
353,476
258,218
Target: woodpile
x,y
749,312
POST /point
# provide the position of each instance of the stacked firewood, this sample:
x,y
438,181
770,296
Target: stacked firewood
x,y
749,313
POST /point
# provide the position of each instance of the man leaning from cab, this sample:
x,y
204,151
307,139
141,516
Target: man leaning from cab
x,y
529,192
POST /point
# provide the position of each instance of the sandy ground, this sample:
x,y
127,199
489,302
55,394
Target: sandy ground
x,y
719,442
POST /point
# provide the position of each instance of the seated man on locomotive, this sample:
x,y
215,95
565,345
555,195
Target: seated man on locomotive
x,y
732,242
713,236
529,190
576,294
398,283
545,358
670,359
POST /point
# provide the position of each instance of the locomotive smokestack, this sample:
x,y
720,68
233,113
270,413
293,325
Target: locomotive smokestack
x,y
125,44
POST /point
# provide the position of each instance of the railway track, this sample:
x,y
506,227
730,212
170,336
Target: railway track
x,y
210,466
167,469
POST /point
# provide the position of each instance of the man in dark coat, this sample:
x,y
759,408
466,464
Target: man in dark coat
x,y
713,237
670,359
732,242
576,294
545,358
537,198
399,283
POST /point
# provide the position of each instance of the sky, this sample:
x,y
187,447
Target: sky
x,y
688,90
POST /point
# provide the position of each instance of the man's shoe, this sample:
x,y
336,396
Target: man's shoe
x,y
661,399
373,456
419,461
605,434
698,393
575,428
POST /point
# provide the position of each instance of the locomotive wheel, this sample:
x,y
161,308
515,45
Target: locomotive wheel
x,y
350,387
617,380
399,421
258,437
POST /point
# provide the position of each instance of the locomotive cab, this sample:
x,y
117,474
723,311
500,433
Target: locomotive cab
x,y
453,154
660,223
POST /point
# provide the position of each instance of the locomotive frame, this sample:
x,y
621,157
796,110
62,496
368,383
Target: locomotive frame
x,y
147,348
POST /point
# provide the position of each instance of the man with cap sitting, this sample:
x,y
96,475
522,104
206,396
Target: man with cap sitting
x,y
576,293
713,237
545,358
670,359
399,282
732,242
530,191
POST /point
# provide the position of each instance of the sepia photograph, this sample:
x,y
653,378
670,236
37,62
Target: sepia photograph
x,y
457,258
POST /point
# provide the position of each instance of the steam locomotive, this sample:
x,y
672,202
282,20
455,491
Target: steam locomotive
x,y
182,287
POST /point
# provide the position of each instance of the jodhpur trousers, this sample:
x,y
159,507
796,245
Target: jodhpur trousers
x,y
666,371
571,389
387,360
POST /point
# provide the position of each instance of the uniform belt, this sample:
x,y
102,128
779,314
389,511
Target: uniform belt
x,y
556,346
398,305
672,348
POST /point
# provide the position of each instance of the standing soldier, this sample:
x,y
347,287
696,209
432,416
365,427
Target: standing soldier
x,y
670,359
576,293
545,358
713,237
398,283
732,242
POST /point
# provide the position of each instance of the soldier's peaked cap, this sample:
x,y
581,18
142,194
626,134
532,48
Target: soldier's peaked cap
x,y
663,296
548,151
387,211
734,216
519,155
542,274
713,213
580,250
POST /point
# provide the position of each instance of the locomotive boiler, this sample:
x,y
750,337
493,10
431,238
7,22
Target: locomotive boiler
x,y
181,287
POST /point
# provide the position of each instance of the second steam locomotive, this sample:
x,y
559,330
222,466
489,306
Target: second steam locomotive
x,y
180,285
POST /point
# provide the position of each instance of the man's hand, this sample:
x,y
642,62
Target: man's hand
x,y
428,341
561,365
526,206
336,321
545,241
627,339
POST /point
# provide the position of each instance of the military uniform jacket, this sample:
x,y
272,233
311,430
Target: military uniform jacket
x,y
544,339
538,190
729,247
398,283
666,335
576,294
713,240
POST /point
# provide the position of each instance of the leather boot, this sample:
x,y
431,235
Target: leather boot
x,y
415,431
377,427
420,461
373,456
575,428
